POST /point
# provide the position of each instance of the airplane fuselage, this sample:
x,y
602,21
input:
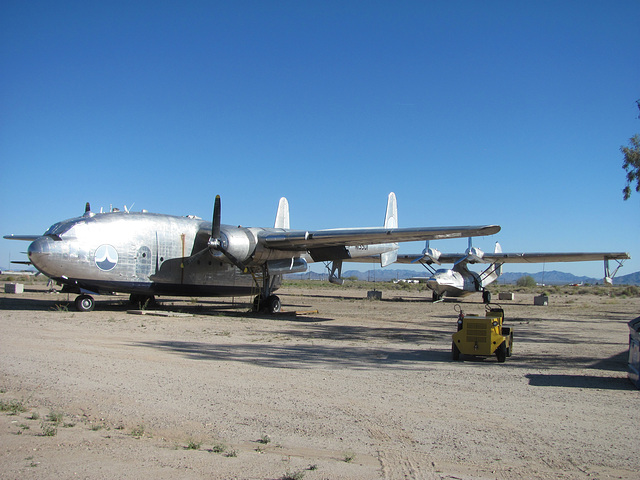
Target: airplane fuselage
x,y
153,254
453,283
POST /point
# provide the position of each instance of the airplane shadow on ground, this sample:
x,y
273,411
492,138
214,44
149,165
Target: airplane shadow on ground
x,y
302,356
62,302
22,304
579,381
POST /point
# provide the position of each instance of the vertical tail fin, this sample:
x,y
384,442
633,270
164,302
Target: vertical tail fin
x,y
390,221
282,216
498,249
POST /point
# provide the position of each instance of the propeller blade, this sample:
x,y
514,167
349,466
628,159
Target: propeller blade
x,y
215,224
234,260
215,242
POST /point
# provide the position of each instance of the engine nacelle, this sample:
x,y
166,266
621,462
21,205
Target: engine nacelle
x,y
432,254
474,255
239,242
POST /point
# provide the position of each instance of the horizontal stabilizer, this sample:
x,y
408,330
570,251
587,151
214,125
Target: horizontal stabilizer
x,y
27,238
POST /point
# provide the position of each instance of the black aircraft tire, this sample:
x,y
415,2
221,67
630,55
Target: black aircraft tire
x,y
84,303
273,304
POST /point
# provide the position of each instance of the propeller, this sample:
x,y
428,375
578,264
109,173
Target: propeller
x,y
216,241
473,255
432,254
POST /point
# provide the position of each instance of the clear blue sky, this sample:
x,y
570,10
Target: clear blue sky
x,y
500,112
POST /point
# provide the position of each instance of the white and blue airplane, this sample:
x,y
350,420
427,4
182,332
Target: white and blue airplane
x,y
459,281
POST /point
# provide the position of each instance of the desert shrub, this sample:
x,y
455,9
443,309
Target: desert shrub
x,y
526,281
629,291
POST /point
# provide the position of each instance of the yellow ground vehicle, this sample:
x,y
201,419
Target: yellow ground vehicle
x,y
477,336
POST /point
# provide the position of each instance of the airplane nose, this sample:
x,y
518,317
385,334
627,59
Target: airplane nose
x,y
432,283
39,251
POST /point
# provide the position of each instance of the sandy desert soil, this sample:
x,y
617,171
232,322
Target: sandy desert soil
x,y
360,390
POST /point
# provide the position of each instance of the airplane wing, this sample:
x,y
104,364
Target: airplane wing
x,y
522,257
553,257
318,239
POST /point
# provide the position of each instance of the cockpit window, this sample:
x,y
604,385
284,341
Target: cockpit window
x,y
60,228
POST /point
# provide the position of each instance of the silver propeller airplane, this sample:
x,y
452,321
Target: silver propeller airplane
x,y
460,281
146,254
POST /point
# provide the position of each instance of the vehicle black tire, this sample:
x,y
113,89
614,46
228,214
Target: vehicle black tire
x,y
455,351
501,352
486,296
84,303
273,304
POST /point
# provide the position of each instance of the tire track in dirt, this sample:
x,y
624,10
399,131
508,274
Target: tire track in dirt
x,y
397,460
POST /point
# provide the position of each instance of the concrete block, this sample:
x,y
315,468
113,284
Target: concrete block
x,y
13,288
506,296
541,300
374,295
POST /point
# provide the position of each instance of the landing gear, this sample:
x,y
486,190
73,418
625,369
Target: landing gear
x,y
84,303
486,296
271,304
436,297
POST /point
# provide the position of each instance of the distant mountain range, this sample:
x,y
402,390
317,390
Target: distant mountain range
x,y
548,278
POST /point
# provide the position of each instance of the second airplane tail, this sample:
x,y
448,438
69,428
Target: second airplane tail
x,y
282,215
390,221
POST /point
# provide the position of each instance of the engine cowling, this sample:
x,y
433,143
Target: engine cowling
x,y
239,242
432,254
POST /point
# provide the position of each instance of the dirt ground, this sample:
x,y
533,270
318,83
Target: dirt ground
x,y
360,390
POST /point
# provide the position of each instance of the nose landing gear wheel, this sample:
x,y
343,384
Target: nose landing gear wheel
x,y
84,303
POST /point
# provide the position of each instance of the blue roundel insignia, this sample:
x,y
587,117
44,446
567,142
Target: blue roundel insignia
x,y
106,257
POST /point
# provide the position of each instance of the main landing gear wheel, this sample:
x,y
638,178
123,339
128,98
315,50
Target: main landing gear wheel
x,y
84,303
273,304
269,305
